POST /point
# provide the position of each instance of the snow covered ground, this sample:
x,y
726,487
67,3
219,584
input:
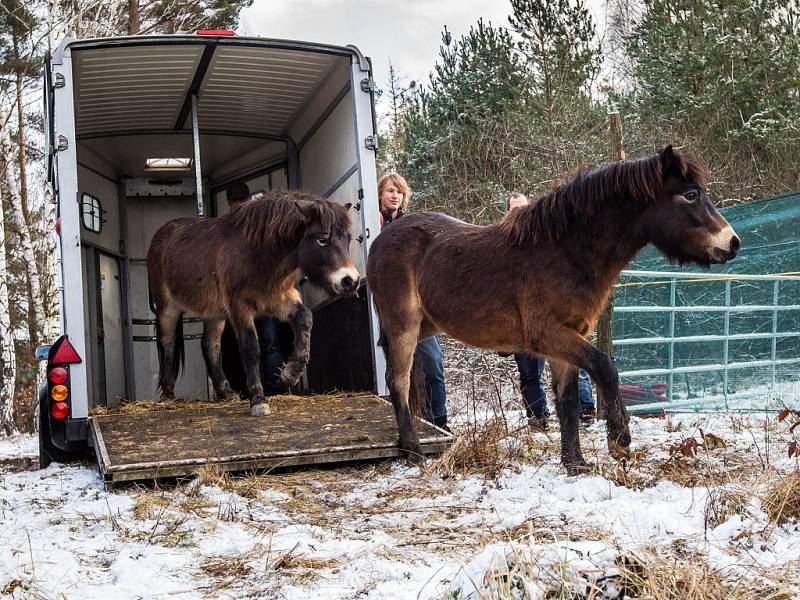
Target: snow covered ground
x,y
508,523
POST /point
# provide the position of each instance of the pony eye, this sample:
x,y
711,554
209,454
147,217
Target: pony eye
x,y
690,196
322,241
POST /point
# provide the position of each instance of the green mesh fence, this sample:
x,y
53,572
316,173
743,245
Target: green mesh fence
x,y
726,338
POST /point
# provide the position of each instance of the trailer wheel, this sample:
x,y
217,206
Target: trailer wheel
x,y
48,452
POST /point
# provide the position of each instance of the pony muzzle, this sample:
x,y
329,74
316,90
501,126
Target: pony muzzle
x,y
724,246
345,280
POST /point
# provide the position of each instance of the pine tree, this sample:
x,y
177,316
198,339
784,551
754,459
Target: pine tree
x,y
558,41
397,95
722,75
146,17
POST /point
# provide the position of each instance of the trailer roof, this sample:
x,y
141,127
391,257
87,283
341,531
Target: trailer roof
x,y
144,84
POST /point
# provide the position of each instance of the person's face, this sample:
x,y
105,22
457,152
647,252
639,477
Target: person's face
x,y
517,202
391,197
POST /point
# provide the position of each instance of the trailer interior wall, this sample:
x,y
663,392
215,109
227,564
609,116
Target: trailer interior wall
x,y
317,144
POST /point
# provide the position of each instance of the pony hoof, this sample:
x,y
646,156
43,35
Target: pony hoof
x,y
260,409
415,457
226,394
291,372
580,467
618,450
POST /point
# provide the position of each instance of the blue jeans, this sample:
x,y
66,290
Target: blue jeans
x,y
585,397
429,357
530,383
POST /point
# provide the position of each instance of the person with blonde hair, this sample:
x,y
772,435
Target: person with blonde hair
x,y
393,196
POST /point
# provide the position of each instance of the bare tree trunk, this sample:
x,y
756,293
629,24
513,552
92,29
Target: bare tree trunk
x,y
50,291
18,220
22,161
134,19
8,357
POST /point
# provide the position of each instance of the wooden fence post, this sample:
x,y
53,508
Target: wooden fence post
x,y
605,323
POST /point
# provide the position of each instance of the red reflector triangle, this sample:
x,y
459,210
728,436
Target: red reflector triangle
x,y
66,354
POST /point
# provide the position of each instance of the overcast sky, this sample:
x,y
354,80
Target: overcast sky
x,y
405,31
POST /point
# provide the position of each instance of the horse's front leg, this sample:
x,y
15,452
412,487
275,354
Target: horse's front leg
x,y
211,345
300,318
245,329
569,346
565,384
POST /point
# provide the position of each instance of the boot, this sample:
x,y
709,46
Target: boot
x,y
441,423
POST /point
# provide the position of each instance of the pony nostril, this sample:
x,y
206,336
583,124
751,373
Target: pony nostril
x,y
347,283
735,244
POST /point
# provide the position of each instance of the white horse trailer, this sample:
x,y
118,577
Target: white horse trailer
x,y
142,130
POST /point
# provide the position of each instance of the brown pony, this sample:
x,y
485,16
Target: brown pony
x,y
242,265
536,281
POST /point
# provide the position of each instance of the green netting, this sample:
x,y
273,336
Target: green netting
x,y
699,355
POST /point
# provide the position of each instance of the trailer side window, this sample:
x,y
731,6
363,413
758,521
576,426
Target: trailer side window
x,y
91,213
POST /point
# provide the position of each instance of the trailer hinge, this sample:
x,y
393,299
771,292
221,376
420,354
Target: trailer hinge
x,y
360,193
59,81
371,142
367,84
63,143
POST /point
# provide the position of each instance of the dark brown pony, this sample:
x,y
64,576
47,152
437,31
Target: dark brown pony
x,y
242,265
536,281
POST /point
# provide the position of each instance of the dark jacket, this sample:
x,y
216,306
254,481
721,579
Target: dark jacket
x,y
386,216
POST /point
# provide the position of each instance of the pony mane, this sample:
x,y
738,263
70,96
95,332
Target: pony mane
x,y
275,218
549,217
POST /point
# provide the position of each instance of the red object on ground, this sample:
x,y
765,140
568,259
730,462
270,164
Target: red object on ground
x,y
214,32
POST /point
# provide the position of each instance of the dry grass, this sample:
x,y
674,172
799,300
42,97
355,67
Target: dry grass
x,y
657,575
781,501
150,504
489,448
724,502
227,567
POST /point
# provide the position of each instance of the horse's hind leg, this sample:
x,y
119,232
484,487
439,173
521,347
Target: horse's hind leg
x,y
565,383
211,344
400,356
245,329
167,319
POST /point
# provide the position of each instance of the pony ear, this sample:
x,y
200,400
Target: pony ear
x,y
670,161
309,209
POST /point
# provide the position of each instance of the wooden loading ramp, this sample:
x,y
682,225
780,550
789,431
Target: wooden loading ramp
x,y
302,430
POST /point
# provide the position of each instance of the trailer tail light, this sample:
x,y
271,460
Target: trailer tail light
x,y
58,375
59,393
65,354
60,356
58,226
214,32
60,410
